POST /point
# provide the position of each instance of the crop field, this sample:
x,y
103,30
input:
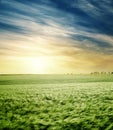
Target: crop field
x,y
56,102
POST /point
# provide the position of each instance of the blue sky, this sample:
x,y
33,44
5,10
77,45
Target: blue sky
x,y
67,32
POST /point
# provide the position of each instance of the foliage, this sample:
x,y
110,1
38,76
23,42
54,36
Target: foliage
x,y
56,102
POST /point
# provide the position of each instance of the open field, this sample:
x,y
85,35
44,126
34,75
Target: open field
x,y
56,102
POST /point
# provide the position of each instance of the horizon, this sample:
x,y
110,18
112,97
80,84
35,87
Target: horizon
x,y
91,73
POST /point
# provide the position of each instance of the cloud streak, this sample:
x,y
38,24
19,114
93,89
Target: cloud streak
x,y
71,32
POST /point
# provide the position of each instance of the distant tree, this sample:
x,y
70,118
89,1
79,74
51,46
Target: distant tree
x,y
109,73
94,73
103,72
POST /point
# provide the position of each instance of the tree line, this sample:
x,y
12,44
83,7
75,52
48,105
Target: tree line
x,y
101,73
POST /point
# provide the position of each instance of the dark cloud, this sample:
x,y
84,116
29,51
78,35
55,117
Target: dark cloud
x,y
93,15
86,16
99,43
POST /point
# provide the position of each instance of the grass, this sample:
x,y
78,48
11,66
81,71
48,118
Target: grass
x,y
56,102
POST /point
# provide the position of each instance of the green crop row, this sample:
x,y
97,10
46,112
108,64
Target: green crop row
x,y
65,106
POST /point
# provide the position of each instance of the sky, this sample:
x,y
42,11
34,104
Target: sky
x,y
56,36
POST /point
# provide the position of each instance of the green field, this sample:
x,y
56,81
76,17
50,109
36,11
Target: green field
x,y
56,102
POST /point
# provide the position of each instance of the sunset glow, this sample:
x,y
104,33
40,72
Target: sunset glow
x,y
47,37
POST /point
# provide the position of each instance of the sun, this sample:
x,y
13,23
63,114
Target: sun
x,y
40,65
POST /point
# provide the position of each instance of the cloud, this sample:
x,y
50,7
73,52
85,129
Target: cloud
x,y
83,15
72,32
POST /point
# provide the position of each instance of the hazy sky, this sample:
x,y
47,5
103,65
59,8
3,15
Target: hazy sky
x,y
56,36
